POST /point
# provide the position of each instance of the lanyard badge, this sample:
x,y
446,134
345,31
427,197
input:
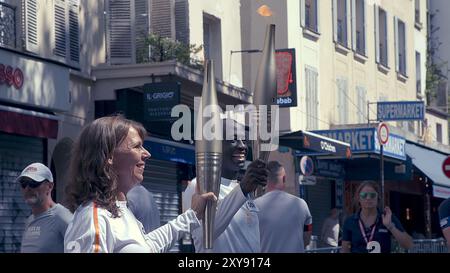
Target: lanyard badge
x,y
371,246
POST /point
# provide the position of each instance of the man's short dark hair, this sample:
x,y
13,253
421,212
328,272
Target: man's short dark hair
x,y
274,168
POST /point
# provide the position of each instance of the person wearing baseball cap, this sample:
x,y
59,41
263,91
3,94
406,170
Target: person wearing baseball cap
x,y
47,224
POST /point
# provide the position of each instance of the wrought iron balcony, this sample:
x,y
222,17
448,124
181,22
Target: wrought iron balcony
x,y
7,25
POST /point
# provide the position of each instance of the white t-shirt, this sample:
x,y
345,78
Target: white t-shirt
x,y
236,225
93,229
282,219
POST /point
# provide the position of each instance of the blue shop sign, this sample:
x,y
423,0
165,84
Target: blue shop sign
x,y
167,152
400,110
364,140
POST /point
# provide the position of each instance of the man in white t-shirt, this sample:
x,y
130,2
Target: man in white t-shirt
x,y
285,223
236,223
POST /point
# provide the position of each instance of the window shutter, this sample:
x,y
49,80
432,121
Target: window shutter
x,y
31,26
120,33
60,41
377,32
302,13
316,5
405,51
348,17
335,21
142,14
396,42
365,26
161,19
353,23
386,37
74,30
182,21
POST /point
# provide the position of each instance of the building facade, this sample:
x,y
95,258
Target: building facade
x,y
351,54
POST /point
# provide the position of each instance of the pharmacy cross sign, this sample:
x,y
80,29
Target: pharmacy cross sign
x,y
446,166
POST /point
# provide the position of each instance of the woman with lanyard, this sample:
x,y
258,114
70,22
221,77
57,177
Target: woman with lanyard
x,y
369,230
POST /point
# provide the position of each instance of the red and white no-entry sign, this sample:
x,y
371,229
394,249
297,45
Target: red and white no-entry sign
x,y
383,133
446,166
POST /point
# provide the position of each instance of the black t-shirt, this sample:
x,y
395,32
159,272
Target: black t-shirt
x,y
444,214
352,233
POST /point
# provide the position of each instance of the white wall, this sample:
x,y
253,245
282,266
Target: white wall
x,y
228,11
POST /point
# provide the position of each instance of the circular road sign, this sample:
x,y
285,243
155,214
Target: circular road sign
x,y
383,133
306,166
446,166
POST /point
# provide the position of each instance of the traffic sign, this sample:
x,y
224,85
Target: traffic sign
x,y
446,166
383,133
306,166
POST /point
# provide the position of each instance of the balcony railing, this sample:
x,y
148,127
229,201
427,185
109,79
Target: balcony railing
x,y
7,25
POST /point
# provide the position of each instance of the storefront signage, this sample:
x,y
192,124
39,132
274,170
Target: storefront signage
x,y
364,140
159,99
11,76
170,152
286,77
400,110
330,169
25,80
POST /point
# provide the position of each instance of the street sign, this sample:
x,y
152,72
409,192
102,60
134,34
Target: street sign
x,y
307,180
446,166
400,110
383,133
306,166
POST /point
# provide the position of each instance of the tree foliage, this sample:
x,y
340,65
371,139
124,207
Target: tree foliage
x,y
160,49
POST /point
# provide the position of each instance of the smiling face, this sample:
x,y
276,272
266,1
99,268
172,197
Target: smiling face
x,y
234,155
129,161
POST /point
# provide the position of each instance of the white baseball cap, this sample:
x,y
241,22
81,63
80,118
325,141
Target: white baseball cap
x,y
38,172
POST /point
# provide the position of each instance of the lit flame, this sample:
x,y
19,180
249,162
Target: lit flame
x,y
265,11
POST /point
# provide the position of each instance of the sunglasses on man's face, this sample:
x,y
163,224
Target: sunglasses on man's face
x,y
30,183
368,195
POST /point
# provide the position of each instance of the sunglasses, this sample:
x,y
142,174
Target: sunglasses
x,y
30,183
368,195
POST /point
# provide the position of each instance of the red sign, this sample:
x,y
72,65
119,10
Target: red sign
x,y
11,76
383,133
446,166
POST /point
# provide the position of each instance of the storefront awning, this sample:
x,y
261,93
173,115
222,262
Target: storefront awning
x,y
430,163
28,123
310,142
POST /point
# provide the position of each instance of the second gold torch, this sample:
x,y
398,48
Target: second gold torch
x,y
208,150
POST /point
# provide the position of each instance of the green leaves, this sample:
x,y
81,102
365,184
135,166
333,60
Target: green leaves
x,y
160,49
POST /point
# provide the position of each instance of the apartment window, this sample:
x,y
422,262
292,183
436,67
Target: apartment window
x,y
340,21
66,30
417,13
400,46
359,26
418,74
381,37
309,16
342,105
362,104
439,132
212,42
312,98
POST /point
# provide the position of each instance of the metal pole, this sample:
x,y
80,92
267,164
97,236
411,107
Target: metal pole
x,y
382,175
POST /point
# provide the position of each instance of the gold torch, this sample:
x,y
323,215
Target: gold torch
x,y
264,96
208,150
